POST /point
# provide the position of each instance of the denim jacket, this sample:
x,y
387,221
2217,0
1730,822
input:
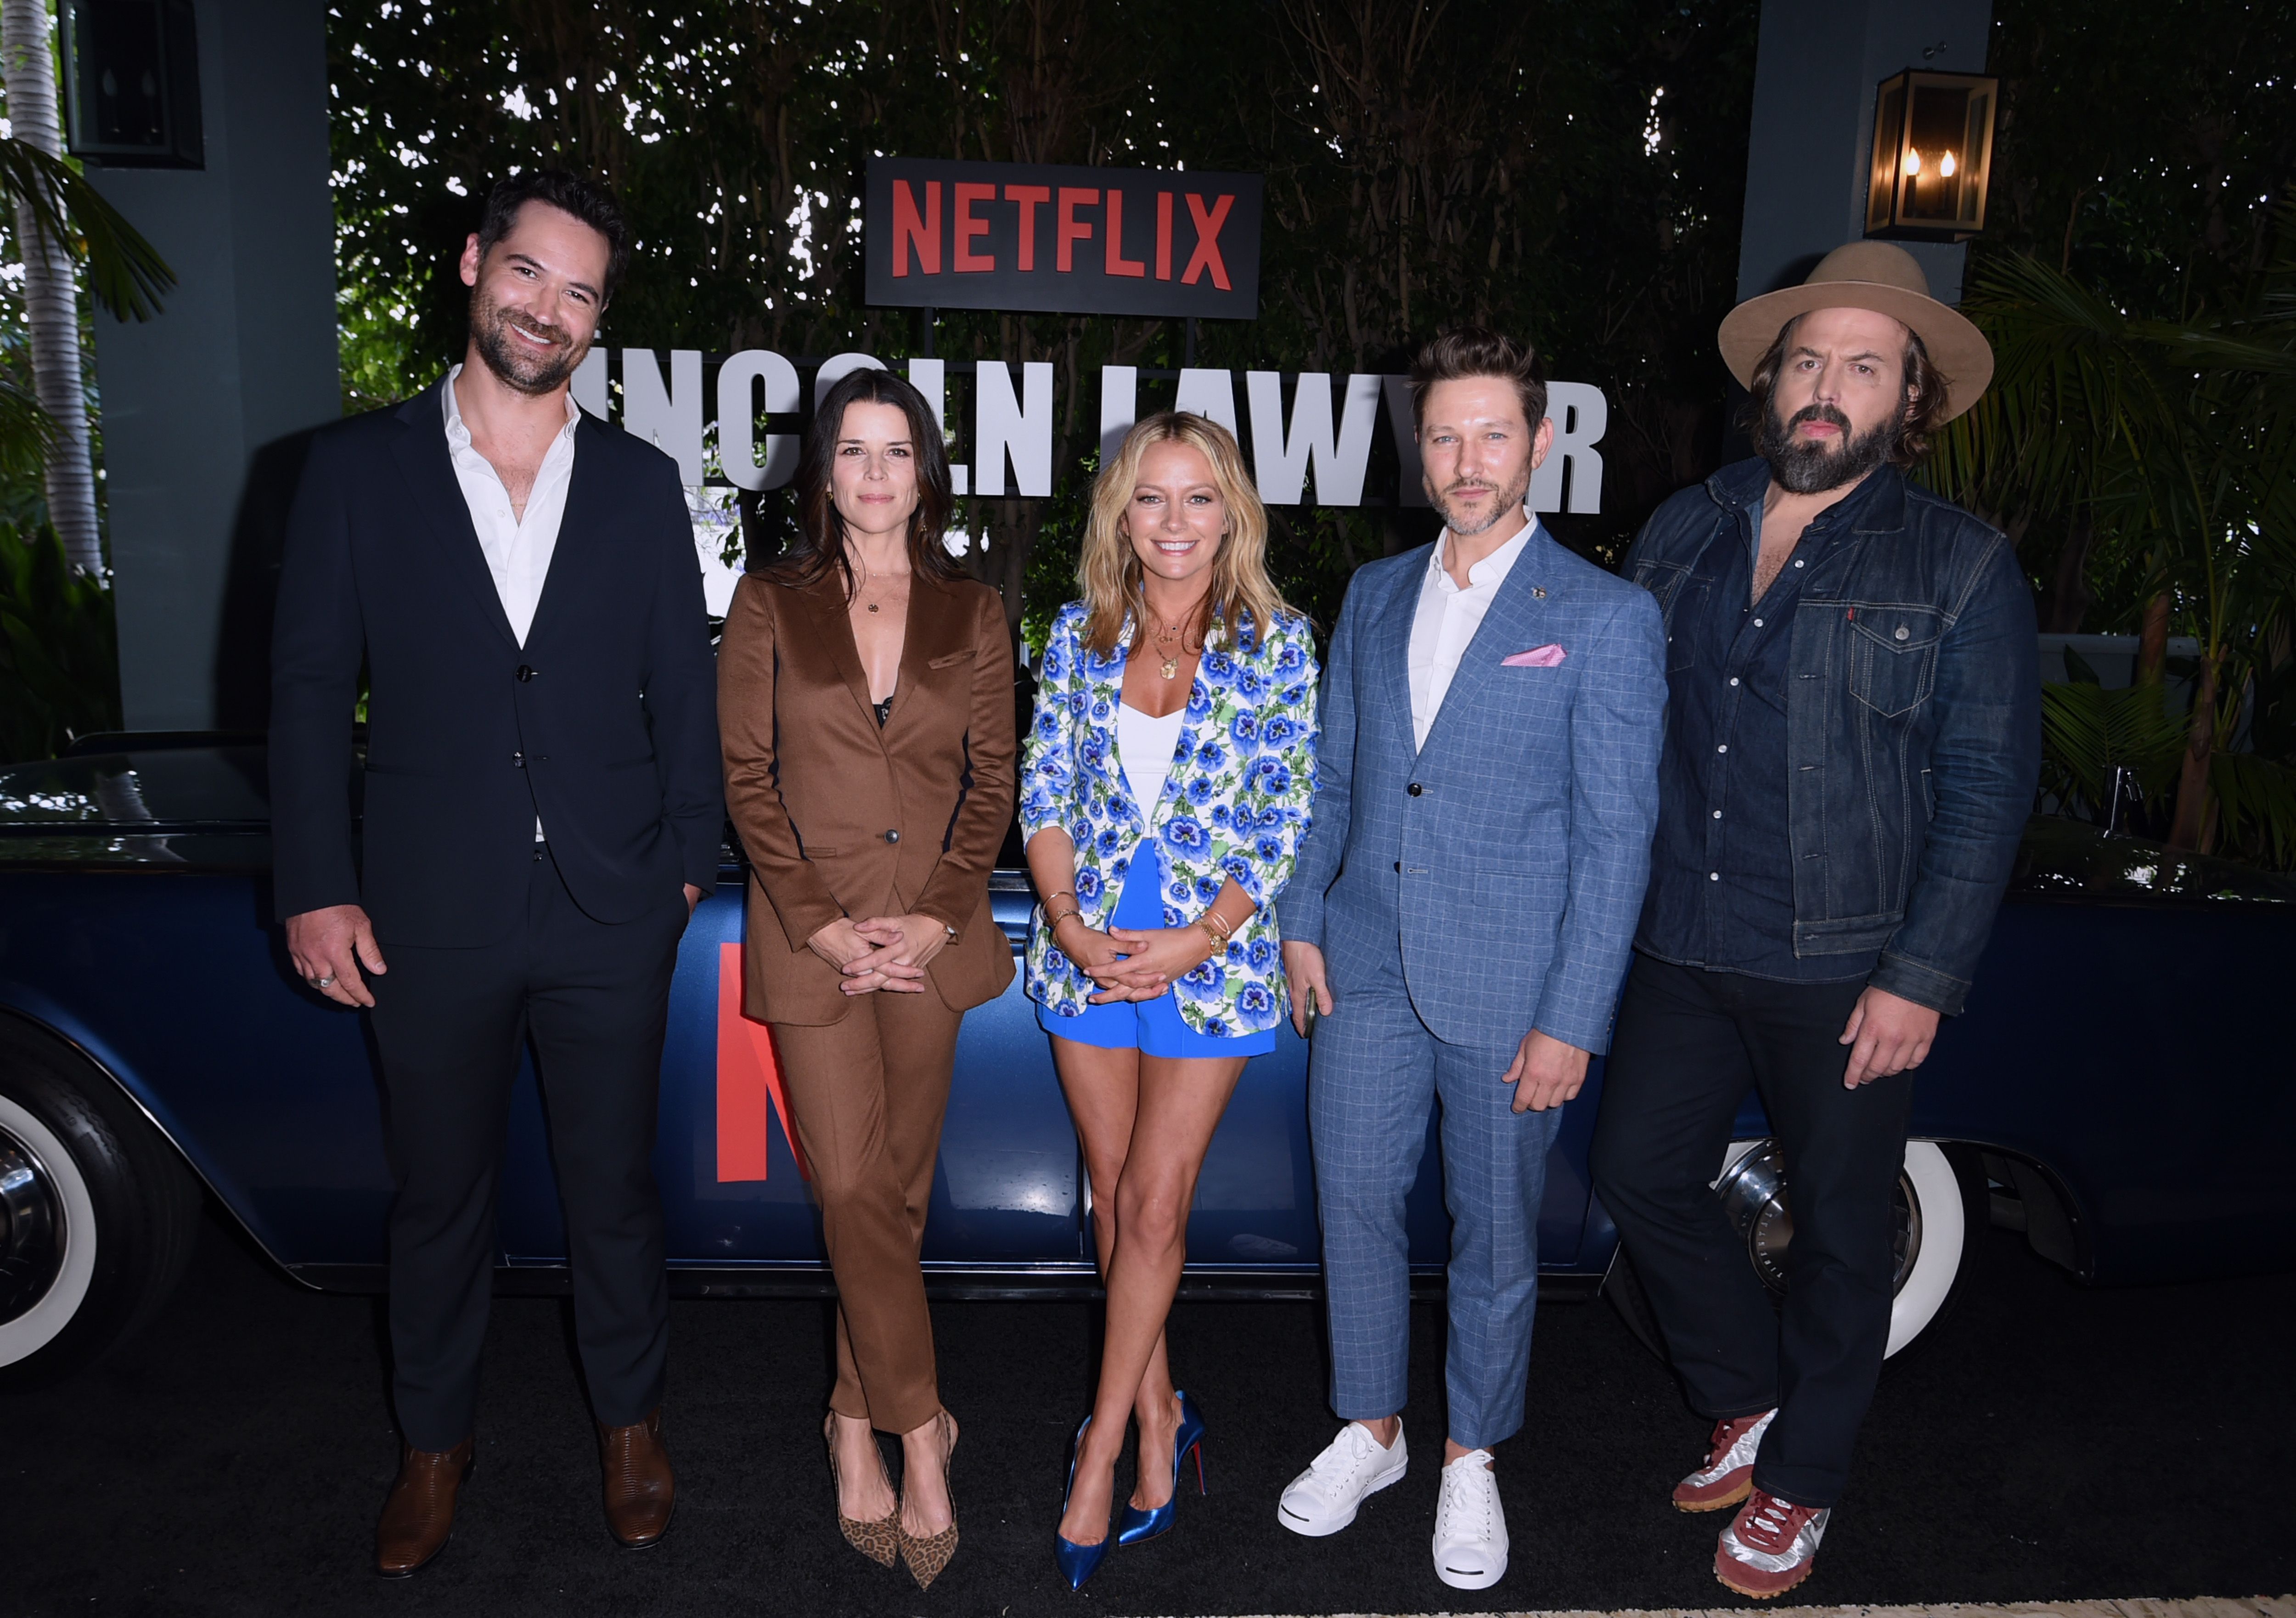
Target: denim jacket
x,y
1913,718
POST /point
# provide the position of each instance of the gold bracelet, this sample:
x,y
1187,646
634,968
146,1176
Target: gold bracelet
x,y
1064,893
1204,927
1052,926
1216,924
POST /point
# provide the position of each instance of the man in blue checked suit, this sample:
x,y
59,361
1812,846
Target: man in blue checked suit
x,y
1461,916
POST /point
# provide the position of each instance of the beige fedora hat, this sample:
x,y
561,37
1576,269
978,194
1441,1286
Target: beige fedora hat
x,y
1876,275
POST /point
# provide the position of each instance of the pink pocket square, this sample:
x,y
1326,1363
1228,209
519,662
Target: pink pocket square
x,y
1538,657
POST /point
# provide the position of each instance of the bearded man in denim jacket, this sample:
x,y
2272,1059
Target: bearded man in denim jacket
x,y
1853,737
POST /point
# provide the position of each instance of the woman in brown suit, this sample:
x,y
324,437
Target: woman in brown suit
x,y
865,703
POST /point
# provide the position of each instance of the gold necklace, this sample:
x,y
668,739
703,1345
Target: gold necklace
x,y
865,583
1172,660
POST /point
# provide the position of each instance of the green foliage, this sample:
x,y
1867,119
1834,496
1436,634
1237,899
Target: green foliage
x,y
59,650
2256,806
1573,174
2087,732
2172,443
24,430
124,272
2142,147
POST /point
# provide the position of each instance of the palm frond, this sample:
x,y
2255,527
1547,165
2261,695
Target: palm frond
x,y
2087,731
2256,807
126,274
25,431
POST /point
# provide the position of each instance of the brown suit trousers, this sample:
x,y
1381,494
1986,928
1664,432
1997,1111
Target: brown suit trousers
x,y
841,818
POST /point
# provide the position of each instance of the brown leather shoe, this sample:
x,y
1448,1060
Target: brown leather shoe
x,y
641,1491
418,1518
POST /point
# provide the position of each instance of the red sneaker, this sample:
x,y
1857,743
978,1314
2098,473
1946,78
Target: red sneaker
x,y
1769,1546
1727,1476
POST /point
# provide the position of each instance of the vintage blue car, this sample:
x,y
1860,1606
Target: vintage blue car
x,y
2119,1088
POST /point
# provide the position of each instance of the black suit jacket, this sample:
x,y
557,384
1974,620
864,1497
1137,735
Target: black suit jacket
x,y
604,722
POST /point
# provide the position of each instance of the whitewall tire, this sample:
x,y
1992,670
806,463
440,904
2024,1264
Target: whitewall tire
x,y
49,1230
97,1212
1938,1237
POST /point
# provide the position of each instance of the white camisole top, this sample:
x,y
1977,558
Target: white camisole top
x,y
1144,746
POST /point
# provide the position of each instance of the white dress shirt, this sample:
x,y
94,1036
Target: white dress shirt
x,y
1447,619
518,551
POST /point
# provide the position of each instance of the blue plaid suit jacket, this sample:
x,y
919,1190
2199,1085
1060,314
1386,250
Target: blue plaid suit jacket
x,y
1507,860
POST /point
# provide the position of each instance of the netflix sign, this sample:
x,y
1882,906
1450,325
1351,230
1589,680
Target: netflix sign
x,y
1035,237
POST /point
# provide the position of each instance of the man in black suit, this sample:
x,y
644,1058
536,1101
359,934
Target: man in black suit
x,y
543,809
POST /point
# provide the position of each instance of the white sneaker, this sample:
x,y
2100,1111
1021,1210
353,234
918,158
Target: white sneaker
x,y
1354,1466
1471,1536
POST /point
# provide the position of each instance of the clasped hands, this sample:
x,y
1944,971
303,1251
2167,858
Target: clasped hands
x,y
1132,963
877,952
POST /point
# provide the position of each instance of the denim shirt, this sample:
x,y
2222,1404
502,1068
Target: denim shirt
x,y
1721,890
1912,725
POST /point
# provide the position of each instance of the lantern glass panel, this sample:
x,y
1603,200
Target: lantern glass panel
x,y
1889,143
1938,124
1977,159
1932,155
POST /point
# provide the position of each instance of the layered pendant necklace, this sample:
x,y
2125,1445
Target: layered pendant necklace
x,y
1170,632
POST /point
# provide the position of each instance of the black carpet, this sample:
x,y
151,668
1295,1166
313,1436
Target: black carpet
x,y
2050,1442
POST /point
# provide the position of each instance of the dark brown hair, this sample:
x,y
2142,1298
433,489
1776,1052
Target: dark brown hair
x,y
1924,412
1466,351
569,193
820,547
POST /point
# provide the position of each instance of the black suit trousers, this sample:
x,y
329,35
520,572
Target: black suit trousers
x,y
450,1024
1689,1047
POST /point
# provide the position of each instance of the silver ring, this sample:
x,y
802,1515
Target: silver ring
x,y
322,983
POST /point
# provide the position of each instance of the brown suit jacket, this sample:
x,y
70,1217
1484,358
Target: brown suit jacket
x,y
840,818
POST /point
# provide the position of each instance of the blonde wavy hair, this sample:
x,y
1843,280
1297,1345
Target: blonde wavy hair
x,y
1109,572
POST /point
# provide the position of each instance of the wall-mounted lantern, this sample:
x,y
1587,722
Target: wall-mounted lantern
x,y
132,83
1932,156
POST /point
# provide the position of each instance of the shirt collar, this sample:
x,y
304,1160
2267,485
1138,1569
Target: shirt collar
x,y
459,434
1492,568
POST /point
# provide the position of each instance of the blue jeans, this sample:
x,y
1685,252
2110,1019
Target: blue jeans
x,y
1154,1028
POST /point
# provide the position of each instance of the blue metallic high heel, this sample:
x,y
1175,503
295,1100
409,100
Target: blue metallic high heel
x,y
1135,1524
1077,1563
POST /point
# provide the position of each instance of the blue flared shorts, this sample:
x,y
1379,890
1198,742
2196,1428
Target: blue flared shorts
x,y
1152,1027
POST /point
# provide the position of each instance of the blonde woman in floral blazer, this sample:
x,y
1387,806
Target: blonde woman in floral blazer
x,y
1163,792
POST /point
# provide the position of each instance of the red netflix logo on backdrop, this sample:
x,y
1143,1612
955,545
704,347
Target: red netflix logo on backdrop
x,y
750,1088
1033,237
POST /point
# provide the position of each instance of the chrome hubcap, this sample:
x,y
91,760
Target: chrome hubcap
x,y
1753,1194
31,1228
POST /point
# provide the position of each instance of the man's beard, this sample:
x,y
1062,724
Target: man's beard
x,y
1510,502
515,365
1805,466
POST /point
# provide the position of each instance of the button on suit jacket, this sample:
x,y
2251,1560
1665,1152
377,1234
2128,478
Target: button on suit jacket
x,y
841,818
604,722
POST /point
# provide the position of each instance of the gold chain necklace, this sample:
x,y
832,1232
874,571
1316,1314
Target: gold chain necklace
x,y
864,583
1172,660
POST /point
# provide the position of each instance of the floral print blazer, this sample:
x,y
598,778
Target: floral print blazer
x,y
1235,805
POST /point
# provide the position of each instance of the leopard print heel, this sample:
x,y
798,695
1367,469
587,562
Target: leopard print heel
x,y
929,1558
880,1541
